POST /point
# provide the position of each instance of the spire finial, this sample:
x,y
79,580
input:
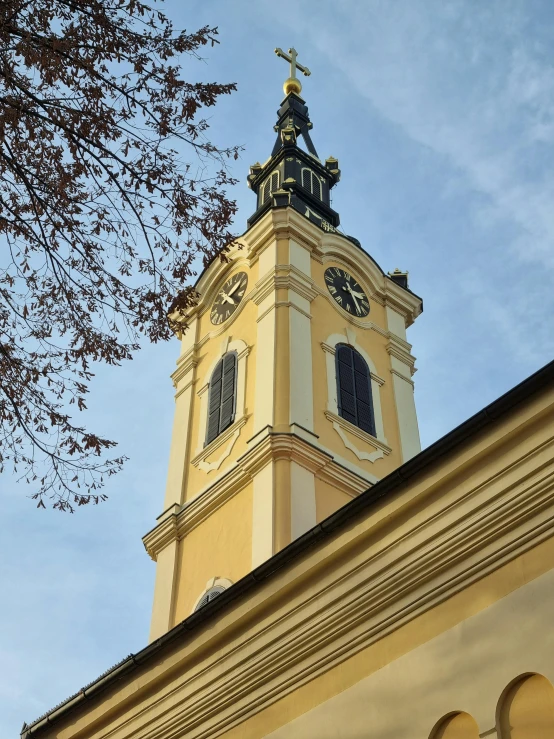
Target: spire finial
x,y
292,84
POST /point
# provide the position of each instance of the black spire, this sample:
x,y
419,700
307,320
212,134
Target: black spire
x,y
292,176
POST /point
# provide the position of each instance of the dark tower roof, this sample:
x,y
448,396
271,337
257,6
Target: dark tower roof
x,y
294,176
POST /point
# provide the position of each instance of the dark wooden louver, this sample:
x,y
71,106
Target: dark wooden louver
x,y
209,596
355,403
311,183
221,403
271,185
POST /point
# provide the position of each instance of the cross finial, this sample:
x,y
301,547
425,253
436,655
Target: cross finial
x,y
292,84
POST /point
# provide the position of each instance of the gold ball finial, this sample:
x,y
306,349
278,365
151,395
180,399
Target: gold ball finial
x,y
292,84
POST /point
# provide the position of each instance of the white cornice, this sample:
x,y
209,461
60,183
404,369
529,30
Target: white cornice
x,y
269,446
395,349
186,363
283,223
227,437
346,426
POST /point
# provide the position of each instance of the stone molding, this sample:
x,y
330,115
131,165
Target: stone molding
x,y
285,223
398,352
226,439
341,426
402,377
185,364
270,446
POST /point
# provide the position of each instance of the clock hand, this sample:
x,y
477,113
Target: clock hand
x,y
235,287
349,289
225,297
357,294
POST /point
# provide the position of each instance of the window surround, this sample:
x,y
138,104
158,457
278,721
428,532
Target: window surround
x,y
351,358
221,363
341,424
267,189
214,582
232,432
312,175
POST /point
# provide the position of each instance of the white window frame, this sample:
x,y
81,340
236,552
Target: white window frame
x,y
312,175
214,582
232,432
267,184
329,347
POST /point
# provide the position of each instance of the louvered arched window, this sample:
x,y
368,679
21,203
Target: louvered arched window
x,y
311,182
269,186
355,403
221,402
209,595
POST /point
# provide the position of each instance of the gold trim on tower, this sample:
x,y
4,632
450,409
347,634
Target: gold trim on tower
x,y
292,84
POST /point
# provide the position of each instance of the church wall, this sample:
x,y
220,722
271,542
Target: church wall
x,y
328,499
459,657
227,536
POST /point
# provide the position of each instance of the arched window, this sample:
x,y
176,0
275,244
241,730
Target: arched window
x,y
456,726
209,595
269,186
526,709
311,182
355,403
222,396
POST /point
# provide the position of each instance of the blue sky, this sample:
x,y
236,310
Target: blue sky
x,y
441,113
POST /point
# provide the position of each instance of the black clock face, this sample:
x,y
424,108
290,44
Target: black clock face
x,y
228,298
347,292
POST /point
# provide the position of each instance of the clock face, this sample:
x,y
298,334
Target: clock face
x,y
347,292
228,298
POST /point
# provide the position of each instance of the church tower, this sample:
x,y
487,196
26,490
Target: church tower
x,y
294,388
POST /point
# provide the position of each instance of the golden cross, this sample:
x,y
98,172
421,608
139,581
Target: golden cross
x,y
293,83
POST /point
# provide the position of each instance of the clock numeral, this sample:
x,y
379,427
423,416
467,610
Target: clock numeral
x,y
339,299
332,289
348,308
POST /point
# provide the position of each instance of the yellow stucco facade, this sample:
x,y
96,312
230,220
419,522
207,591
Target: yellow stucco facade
x,y
288,460
367,589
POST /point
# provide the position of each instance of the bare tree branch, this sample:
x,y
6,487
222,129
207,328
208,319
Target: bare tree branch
x,y
109,190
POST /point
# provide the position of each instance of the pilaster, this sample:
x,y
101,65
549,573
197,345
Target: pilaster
x,y
402,367
184,379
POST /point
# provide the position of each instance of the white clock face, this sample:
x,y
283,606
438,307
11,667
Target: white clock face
x,y
228,298
346,292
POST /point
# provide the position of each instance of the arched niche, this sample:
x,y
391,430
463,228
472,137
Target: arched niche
x,y
526,709
458,725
